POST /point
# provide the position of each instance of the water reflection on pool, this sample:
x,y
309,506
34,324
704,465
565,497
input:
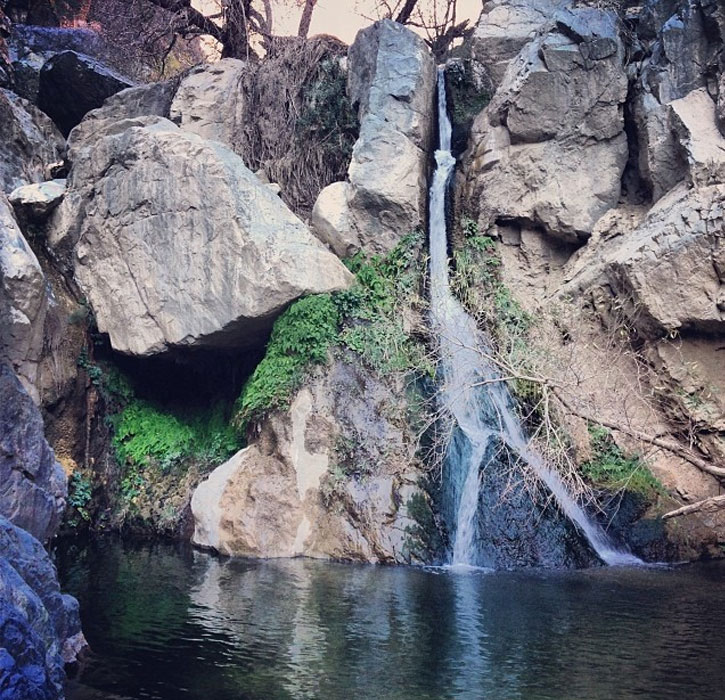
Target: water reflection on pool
x,y
169,623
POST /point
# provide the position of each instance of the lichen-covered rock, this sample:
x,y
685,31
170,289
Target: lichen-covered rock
x,y
72,84
32,484
550,149
177,243
29,143
391,81
505,27
24,301
39,626
332,477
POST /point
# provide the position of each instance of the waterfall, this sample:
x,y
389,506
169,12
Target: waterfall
x,y
480,405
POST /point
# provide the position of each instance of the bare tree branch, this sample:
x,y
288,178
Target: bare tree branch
x,y
708,504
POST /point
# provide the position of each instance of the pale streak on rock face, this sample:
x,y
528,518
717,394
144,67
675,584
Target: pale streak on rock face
x,y
695,121
177,243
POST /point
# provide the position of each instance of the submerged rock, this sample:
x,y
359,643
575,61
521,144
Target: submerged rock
x,y
391,81
177,243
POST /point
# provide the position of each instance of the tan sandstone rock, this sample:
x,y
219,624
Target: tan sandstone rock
x,y
288,493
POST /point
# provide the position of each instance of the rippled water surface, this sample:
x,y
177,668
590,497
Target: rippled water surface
x,y
170,623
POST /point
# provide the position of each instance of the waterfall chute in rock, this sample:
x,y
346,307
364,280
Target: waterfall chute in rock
x,y
473,393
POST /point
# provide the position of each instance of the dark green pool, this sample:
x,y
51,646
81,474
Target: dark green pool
x,y
170,623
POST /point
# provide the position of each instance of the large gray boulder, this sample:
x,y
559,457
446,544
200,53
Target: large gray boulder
x,y
32,484
391,81
72,84
550,149
177,244
505,27
39,626
288,494
24,301
29,143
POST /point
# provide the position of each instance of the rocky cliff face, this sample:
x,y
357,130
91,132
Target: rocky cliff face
x,y
332,477
609,220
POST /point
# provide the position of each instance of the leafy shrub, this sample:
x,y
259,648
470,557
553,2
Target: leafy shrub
x,y
80,491
611,469
301,337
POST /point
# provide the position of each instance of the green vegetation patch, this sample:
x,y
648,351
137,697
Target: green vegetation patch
x,y
368,319
611,469
301,337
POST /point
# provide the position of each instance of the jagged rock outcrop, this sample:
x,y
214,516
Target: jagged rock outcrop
x,y
29,143
505,27
71,85
391,81
550,149
682,41
24,301
32,484
39,626
668,273
178,244
332,477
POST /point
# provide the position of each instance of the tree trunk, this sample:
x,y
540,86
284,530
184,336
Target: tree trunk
x,y
406,11
306,18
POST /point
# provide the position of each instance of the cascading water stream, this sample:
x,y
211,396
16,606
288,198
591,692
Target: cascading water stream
x,y
471,388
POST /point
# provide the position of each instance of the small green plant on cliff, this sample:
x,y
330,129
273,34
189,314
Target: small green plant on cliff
x,y
301,337
611,469
375,310
80,491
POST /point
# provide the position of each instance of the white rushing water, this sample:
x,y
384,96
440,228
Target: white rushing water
x,y
483,409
